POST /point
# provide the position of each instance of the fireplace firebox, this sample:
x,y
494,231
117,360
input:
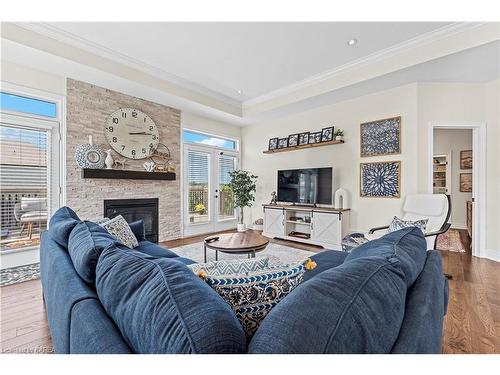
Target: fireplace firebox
x,y
133,210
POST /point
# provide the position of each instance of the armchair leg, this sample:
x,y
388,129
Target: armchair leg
x,y
30,230
22,229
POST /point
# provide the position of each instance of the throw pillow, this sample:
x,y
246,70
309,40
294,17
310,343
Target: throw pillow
x,y
119,228
230,267
398,224
253,295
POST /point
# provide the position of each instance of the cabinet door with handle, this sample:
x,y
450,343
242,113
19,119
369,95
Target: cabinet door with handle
x,y
274,221
326,228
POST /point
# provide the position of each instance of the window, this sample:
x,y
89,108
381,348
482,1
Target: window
x,y
15,103
204,139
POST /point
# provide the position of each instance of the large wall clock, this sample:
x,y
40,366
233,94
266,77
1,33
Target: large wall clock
x,y
131,133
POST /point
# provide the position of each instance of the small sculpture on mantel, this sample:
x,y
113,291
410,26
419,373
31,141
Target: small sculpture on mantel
x,y
149,166
119,162
109,160
273,199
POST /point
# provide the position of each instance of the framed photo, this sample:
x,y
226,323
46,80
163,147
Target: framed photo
x,y
381,137
293,140
314,137
303,138
380,179
327,134
283,143
466,159
466,182
273,144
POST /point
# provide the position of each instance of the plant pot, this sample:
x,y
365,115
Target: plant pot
x,y
240,227
339,138
258,227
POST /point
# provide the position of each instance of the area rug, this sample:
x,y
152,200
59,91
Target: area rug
x,y
16,275
450,241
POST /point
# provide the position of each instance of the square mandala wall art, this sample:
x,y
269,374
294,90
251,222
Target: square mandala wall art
x,y
381,137
380,179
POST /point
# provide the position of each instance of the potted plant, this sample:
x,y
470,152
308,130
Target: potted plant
x,y
339,135
243,187
200,208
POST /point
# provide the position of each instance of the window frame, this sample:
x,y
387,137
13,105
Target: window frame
x,y
202,133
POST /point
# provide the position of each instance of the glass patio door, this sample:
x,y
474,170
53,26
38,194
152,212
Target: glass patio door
x,y
208,203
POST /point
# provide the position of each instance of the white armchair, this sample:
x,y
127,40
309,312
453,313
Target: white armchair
x,y
434,207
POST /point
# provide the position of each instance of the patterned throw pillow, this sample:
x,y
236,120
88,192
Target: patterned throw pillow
x,y
253,295
119,228
230,267
398,224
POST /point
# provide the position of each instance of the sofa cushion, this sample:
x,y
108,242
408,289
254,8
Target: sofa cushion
x,y
61,224
139,229
252,295
397,224
119,228
324,261
227,267
160,306
86,242
154,250
407,245
356,307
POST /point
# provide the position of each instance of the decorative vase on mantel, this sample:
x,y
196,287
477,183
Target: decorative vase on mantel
x,y
109,160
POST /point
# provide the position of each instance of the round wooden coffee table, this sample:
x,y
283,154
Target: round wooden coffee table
x,y
235,243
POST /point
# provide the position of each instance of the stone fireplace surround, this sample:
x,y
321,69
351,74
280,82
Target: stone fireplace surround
x,y
87,108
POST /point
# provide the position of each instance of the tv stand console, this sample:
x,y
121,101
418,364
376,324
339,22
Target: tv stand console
x,y
322,226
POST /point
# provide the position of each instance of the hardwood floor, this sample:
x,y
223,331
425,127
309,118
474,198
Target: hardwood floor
x,y
472,324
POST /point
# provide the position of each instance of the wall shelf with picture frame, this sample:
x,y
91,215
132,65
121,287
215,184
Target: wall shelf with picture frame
x,y
300,147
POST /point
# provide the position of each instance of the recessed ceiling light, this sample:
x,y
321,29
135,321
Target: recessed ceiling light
x,y
239,92
352,42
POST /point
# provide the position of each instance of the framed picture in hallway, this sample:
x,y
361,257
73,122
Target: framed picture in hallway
x,y
380,179
381,137
466,182
466,159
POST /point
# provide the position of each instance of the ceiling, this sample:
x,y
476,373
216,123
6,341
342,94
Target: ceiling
x,y
253,58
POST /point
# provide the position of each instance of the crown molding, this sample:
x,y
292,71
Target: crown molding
x,y
420,40
63,36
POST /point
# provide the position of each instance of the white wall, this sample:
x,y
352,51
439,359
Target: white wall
x,y
345,158
453,141
24,76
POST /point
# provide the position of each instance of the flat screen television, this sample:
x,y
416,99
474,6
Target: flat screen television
x,y
305,186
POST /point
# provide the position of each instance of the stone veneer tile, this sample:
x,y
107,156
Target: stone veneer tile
x,y
87,108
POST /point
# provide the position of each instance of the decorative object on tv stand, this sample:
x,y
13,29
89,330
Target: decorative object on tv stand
x,y
380,179
466,182
119,162
466,159
273,144
293,140
327,134
149,166
109,160
258,224
303,138
381,137
339,135
243,187
89,156
283,143
314,137
161,157
341,199
131,133
273,199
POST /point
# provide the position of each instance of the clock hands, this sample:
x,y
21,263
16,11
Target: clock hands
x,y
140,133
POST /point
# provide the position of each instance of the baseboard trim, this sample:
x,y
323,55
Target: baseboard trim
x,y
458,226
490,254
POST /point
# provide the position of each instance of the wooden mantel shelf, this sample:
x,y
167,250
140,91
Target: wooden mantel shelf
x,y
127,175
294,148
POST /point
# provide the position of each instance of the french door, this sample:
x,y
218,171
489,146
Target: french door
x,y
208,203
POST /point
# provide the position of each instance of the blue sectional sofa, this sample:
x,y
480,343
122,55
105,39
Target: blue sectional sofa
x,y
387,296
